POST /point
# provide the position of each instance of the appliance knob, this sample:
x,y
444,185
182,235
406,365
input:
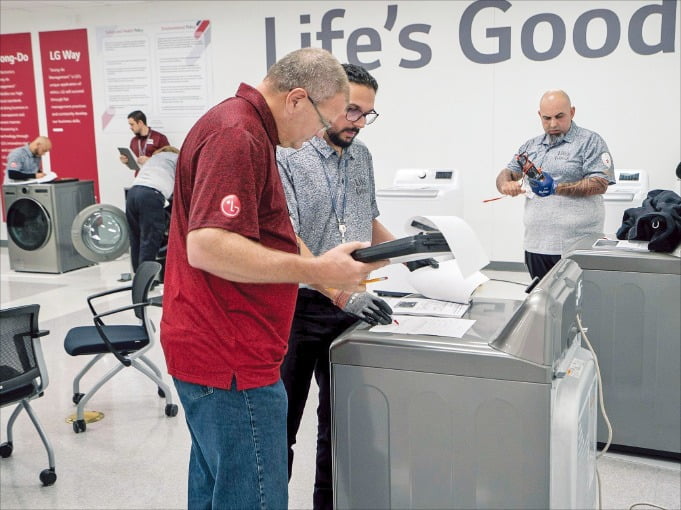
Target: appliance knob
x,y
422,174
24,190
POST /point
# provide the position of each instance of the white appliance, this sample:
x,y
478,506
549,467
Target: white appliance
x,y
629,190
415,192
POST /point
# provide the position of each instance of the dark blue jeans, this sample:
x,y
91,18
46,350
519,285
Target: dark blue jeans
x,y
146,215
316,323
238,453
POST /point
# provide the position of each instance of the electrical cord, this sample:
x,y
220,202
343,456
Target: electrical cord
x,y
524,284
605,417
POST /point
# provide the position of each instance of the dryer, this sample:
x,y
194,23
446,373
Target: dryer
x,y
39,218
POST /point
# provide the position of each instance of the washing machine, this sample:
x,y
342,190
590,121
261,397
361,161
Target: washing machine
x,y
39,218
415,191
630,190
501,416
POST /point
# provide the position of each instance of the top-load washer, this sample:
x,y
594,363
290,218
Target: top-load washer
x,y
630,190
415,192
39,218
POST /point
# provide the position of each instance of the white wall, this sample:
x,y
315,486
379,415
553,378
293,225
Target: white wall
x,y
450,113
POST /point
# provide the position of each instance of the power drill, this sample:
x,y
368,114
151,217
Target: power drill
x,y
529,169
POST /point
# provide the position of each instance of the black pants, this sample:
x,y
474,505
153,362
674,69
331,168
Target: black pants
x,y
316,323
147,223
538,264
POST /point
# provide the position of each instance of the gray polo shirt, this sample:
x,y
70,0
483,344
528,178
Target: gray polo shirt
x,y
554,223
22,160
323,189
158,173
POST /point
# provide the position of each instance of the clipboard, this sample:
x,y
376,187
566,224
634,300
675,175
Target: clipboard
x,y
132,160
420,246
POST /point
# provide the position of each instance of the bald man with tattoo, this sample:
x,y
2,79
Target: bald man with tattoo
x,y
566,203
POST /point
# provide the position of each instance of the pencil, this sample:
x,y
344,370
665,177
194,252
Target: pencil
x,y
374,280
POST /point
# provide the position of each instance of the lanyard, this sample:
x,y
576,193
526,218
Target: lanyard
x,y
340,220
139,145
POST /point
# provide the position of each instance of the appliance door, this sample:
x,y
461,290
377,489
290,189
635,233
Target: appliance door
x,y
28,224
100,233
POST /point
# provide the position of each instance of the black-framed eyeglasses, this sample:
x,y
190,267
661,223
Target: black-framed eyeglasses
x,y
353,114
319,114
528,167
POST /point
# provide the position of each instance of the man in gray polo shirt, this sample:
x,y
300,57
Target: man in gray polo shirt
x,y
567,203
25,162
329,185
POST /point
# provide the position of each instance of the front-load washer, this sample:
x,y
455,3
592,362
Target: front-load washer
x,y
39,218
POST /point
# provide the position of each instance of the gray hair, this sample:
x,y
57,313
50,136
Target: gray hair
x,y
313,69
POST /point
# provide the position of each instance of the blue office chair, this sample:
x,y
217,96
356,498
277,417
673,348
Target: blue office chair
x,y
23,375
128,343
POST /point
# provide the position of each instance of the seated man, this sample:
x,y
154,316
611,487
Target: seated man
x,y
25,162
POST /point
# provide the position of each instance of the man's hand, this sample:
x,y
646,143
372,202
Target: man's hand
x,y
142,159
124,159
367,307
337,269
543,188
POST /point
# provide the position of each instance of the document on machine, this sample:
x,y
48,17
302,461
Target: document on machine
x,y
437,326
413,305
48,177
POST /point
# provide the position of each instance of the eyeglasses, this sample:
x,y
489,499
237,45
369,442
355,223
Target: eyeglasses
x,y
319,114
354,114
528,167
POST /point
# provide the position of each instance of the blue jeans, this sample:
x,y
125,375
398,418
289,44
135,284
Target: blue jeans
x,y
238,456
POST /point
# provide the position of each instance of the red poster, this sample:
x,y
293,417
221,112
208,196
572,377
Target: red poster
x,y
18,110
68,104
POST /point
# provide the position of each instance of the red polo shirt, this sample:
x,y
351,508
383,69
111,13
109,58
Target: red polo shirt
x,y
213,329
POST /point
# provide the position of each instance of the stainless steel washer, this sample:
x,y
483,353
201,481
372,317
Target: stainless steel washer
x,y
39,218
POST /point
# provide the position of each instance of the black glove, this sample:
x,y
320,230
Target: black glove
x,y
367,307
413,265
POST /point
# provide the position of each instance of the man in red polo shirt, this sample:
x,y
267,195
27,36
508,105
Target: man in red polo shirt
x,y
231,279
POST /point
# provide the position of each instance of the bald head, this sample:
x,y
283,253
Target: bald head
x,y
40,145
556,112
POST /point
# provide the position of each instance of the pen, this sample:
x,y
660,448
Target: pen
x,y
395,321
493,199
374,280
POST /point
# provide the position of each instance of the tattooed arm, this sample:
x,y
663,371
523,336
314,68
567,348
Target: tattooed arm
x,y
584,188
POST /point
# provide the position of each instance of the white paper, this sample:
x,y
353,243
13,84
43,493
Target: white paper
x,y
437,326
446,282
463,242
48,177
428,307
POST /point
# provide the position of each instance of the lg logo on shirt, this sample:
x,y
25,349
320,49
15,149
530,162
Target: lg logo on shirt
x,y
230,206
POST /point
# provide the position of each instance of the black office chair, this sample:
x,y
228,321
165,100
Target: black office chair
x,y
23,375
128,343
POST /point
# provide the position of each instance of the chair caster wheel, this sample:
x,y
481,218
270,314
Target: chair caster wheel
x,y
79,426
161,393
171,410
77,397
6,450
48,476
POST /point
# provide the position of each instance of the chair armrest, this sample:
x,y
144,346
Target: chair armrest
x,y
104,293
40,332
98,324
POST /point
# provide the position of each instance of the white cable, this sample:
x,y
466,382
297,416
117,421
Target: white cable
x,y
605,417
602,407
600,388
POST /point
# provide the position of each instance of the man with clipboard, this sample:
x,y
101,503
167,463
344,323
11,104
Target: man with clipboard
x,y
145,141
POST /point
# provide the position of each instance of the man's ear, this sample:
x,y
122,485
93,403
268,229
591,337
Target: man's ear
x,y
294,97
